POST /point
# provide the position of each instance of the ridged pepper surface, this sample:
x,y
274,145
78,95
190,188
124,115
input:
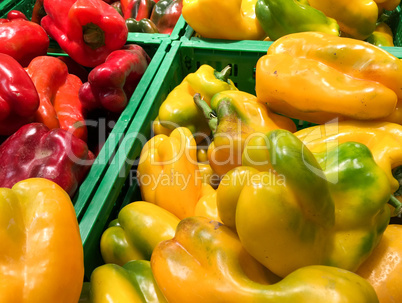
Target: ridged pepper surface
x,y
42,258
318,77
234,118
179,109
207,258
132,282
302,209
140,226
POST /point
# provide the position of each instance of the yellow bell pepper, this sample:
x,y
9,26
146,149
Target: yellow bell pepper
x,y
316,77
235,117
179,110
168,172
383,269
384,140
205,262
159,129
232,20
208,175
382,35
229,191
41,255
131,283
140,226
389,5
356,19
331,208
206,206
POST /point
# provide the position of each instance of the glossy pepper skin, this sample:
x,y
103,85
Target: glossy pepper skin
x,y
357,20
179,109
111,84
42,255
22,39
389,5
228,192
231,20
208,258
19,99
132,282
165,15
60,106
140,226
36,151
137,9
331,208
237,116
384,139
87,30
317,77
382,270
168,172
280,18
381,36
145,25
206,206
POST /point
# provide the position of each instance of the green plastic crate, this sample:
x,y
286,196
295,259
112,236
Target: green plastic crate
x,y
25,6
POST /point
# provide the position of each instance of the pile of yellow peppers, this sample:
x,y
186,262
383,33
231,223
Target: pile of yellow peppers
x,y
272,19
238,205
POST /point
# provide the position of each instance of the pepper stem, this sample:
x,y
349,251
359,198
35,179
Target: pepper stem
x,y
207,111
396,204
224,74
93,35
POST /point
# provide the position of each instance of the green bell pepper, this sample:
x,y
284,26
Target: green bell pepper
x,y
280,18
143,26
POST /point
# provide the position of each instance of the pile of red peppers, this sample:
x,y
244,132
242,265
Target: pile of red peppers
x,y
46,101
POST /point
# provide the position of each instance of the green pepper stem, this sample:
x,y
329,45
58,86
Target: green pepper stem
x,y
93,35
224,74
397,204
207,111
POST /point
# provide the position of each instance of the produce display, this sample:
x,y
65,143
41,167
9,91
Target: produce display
x,y
262,174
272,19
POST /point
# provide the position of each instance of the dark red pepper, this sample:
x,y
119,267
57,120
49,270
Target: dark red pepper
x,y
87,30
19,99
165,15
38,12
36,151
137,9
111,84
22,39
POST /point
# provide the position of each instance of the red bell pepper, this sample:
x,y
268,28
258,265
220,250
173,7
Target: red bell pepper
x,y
36,151
38,11
22,39
137,9
58,90
111,84
87,30
165,15
19,99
